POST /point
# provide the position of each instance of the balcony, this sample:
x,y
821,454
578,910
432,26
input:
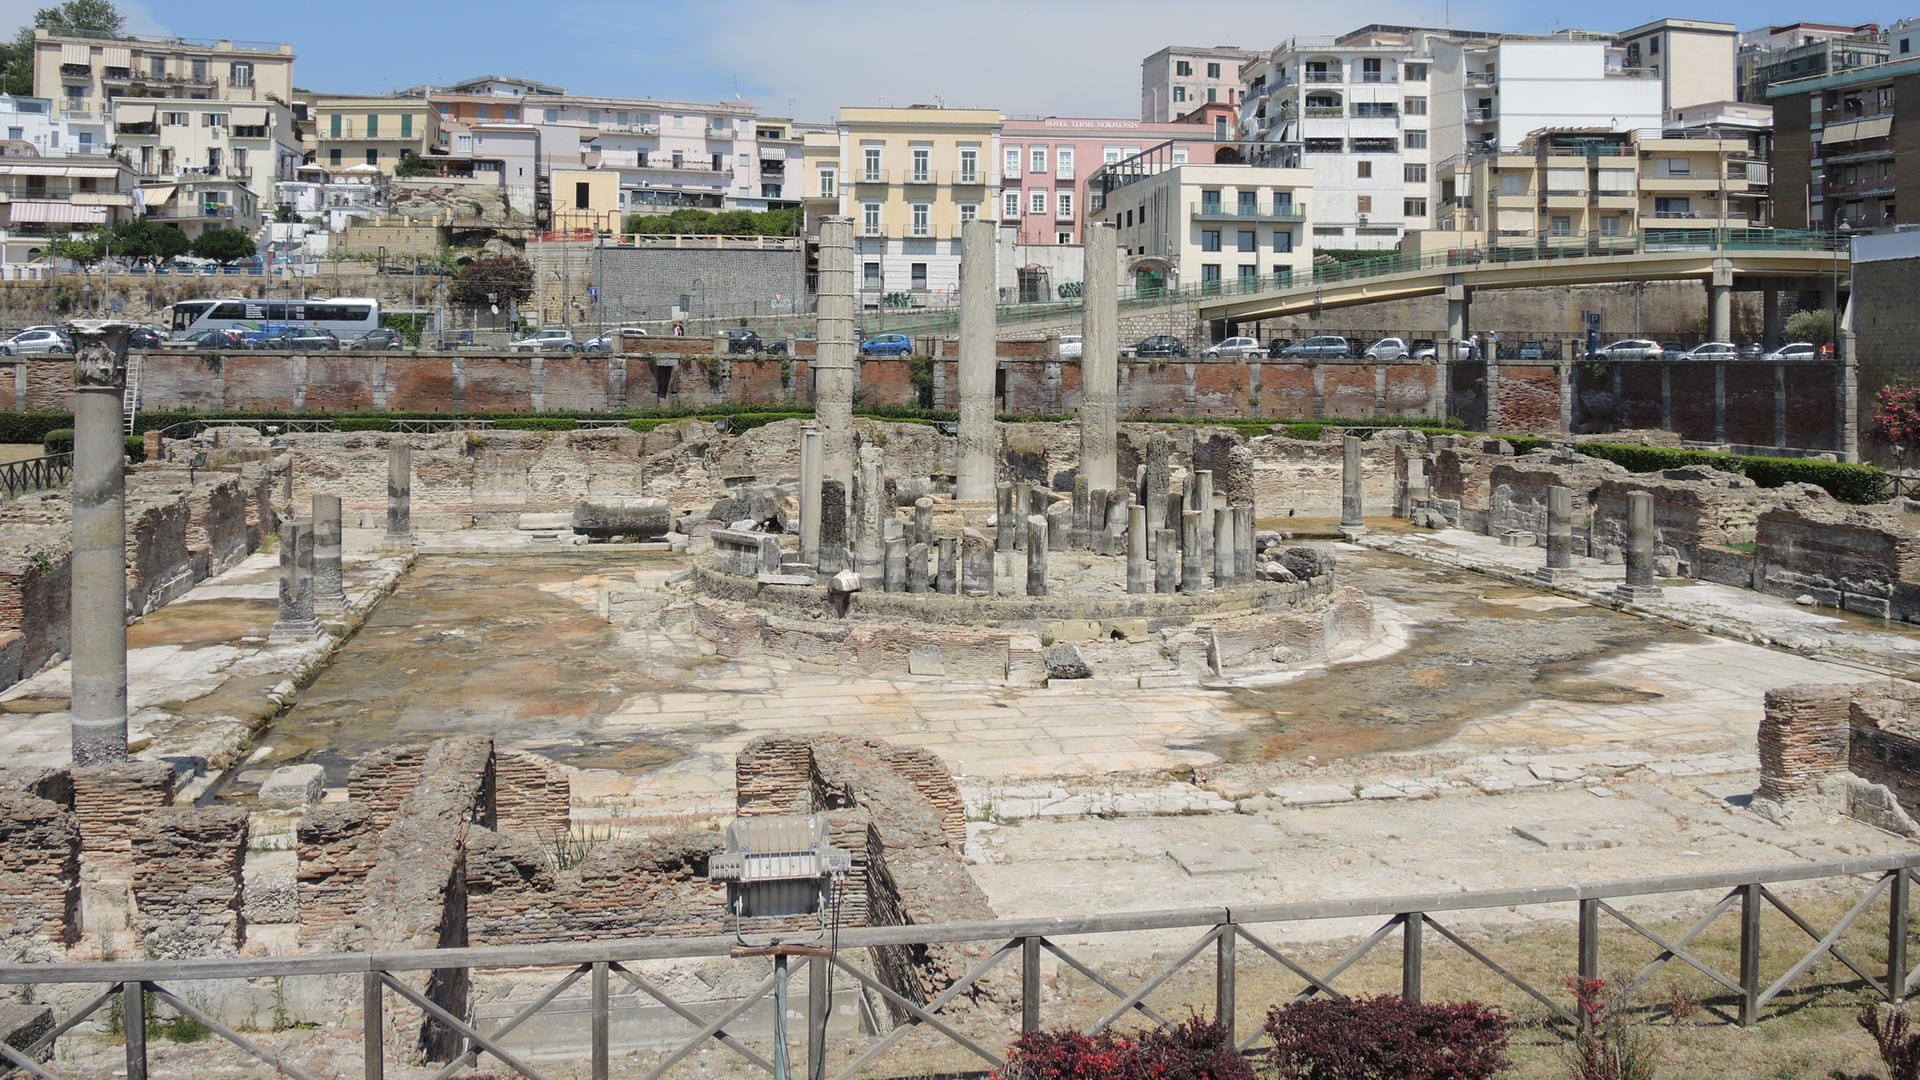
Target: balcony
x,y
1860,185
684,165
1325,112
1321,77
1682,182
193,212
135,78
1281,211
918,177
81,116
1063,172
239,172
1481,80
1377,77
1693,219
1479,116
1374,110
721,132
364,133
920,232
971,178
871,176
1841,113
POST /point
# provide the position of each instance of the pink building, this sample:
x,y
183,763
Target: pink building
x,y
1045,164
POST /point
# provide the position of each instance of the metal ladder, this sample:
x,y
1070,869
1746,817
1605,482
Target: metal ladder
x,y
130,399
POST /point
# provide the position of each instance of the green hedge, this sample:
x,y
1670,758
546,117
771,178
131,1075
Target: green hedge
x,y
1862,484
361,423
536,423
58,441
136,448
31,427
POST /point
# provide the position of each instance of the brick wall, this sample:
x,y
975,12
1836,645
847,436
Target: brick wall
x,y
187,886
110,801
625,888
1528,399
1886,322
1803,739
1841,556
1883,740
39,875
36,578
531,795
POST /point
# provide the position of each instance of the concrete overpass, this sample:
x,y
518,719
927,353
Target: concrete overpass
x,y
1722,260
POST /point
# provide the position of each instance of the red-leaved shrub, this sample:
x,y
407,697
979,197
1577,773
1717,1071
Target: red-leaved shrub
x,y
1197,1049
1387,1038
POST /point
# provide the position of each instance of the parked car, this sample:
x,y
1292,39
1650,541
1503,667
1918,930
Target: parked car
x,y
1278,345
297,339
1236,348
1752,350
1799,350
1161,345
608,341
144,337
37,340
210,339
886,345
741,340
1712,350
1673,348
1387,348
1533,350
546,341
1630,349
1069,346
377,340
1324,347
1465,349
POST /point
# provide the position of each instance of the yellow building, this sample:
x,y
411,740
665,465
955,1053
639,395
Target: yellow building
x,y
908,177
84,74
1595,188
374,131
586,200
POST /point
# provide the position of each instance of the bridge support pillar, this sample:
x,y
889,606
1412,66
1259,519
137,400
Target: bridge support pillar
x,y
1720,302
1457,302
1770,317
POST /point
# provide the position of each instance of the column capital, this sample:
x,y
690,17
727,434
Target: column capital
x,y
100,353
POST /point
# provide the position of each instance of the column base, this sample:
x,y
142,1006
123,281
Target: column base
x,y
1352,532
396,545
293,633
1559,578
330,605
1637,594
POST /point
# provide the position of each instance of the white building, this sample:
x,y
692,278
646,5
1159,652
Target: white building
x,y
1180,78
356,193
172,139
1206,226
35,121
1693,59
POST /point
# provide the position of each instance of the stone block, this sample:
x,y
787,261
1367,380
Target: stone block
x,y
1312,794
1066,661
293,787
23,1025
1026,661
925,660
634,518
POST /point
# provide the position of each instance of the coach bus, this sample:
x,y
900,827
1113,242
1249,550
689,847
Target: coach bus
x,y
348,317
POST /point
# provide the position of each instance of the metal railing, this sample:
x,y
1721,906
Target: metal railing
x,y
1223,935
17,478
187,429
1286,211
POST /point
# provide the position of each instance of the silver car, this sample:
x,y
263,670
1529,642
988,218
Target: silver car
x,y
36,340
546,341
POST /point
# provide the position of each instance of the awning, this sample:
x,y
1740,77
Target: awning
x,y
132,114
96,171
1856,130
156,195
114,56
77,54
59,213
250,116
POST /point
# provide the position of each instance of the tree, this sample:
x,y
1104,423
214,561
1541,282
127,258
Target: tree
x,y
143,241
687,221
84,249
1814,326
95,18
493,279
410,164
224,245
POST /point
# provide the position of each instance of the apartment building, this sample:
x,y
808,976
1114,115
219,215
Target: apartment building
x,y
1179,78
1802,50
1745,123
1692,58
779,152
1206,225
1595,188
84,75
170,139
193,204
37,123
1836,162
908,177
44,199
586,200
375,131
1044,165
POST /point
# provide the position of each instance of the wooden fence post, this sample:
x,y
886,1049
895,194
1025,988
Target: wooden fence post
x,y
1029,984
1411,925
1225,997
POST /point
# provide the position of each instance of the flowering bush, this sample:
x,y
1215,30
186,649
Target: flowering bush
x,y
1197,1049
1896,411
1387,1038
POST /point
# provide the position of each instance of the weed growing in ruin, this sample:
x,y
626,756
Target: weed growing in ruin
x,y
569,848
1899,1044
39,563
1608,1046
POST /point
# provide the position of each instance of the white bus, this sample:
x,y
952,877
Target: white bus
x,y
349,317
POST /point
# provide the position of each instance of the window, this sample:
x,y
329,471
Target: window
x,y
240,74
1037,201
1249,276
1249,240
1282,241
1213,71
871,273
1209,239
199,69
829,183
1416,73
870,155
1513,185
1179,155
1013,162
1065,206
333,156
1370,70
1609,226
1143,213
582,195
1063,238
969,211
1416,140
1560,225
1363,170
373,157
1182,67
1179,93
1363,204
406,125
1673,208
1249,203
921,213
1210,201
1210,277
373,125
1374,110
1037,159
1414,208
1109,155
553,116
1126,220
157,66
179,119
922,164
1679,166
1211,92
1414,106
870,218
335,128
1012,208
1414,174
919,274
969,165
1063,162
213,120
1653,46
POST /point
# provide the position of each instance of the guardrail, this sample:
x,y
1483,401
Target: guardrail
x,y
17,478
1225,932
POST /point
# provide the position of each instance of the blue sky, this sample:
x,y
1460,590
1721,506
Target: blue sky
x,y
806,58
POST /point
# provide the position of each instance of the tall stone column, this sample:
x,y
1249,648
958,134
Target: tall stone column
x,y
1159,482
1243,549
869,541
1099,357
98,595
1036,529
1639,585
833,527
1005,524
834,360
1559,569
1353,517
1137,550
295,623
1193,557
894,572
976,564
1720,302
1223,542
979,357
1082,492
812,473
399,493
947,578
329,584
922,521
1200,498
1166,561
